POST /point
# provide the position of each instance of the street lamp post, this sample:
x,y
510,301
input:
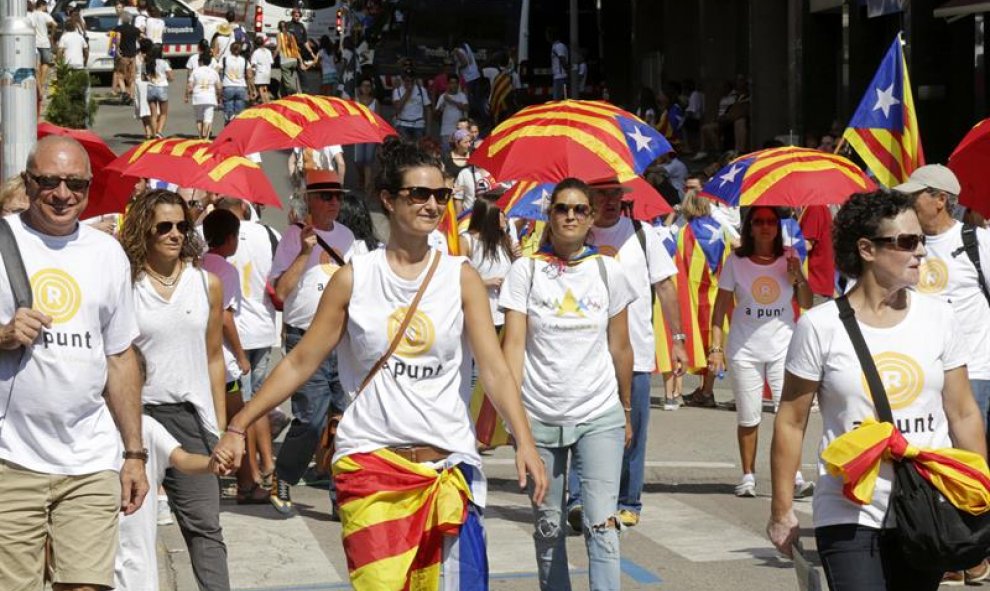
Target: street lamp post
x,y
18,88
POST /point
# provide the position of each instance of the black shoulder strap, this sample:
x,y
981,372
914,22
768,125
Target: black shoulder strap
x,y
14,264
971,246
877,391
323,244
272,239
640,235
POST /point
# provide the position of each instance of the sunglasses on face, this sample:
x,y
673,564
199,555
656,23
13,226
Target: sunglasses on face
x,y
763,222
50,183
420,195
163,228
328,195
907,242
581,210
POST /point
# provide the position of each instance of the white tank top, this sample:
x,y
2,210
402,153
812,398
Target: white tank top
x,y
173,341
422,394
470,72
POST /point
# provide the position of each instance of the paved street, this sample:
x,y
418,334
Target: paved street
x,y
694,535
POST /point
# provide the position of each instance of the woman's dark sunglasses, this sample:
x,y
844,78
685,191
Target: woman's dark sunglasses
x,y
163,228
908,242
49,183
581,210
420,195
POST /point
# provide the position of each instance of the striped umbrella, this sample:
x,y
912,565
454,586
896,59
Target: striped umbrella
x,y
529,200
585,139
302,121
788,177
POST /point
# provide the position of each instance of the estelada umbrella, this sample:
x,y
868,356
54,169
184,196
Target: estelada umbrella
x,y
584,139
530,199
302,121
100,154
970,161
187,163
788,177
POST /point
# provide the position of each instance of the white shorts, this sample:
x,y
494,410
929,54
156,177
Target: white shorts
x,y
204,112
748,378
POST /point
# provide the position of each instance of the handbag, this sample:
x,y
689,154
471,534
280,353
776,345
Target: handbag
x,y
933,534
324,455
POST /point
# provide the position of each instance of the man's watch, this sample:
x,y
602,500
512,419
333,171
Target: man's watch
x,y
679,337
136,455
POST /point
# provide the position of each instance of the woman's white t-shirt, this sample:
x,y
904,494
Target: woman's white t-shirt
x,y
193,62
413,113
173,340
763,319
912,359
568,374
490,268
160,76
154,29
422,394
234,68
261,61
204,80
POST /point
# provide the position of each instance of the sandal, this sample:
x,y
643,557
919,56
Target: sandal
x,y
253,495
267,479
697,399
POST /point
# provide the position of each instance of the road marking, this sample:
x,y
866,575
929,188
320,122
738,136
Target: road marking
x,y
638,573
696,535
263,551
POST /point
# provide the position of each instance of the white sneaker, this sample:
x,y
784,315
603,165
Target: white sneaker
x,y
746,486
671,404
164,513
803,489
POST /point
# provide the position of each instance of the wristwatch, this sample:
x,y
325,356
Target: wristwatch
x,y
136,455
679,337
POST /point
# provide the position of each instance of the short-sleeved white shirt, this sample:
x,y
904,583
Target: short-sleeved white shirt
x,y
261,61
643,269
450,114
472,181
948,274
204,80
231,300
763,319
159,77
912,359
55,419
558,55
154,29
136,564
413,113
568,374
253,260
300,306
40,21
73,46
234,68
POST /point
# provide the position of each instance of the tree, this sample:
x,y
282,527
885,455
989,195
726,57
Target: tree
x,y
70,104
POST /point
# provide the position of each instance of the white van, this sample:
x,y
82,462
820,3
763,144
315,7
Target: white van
x,y
263,16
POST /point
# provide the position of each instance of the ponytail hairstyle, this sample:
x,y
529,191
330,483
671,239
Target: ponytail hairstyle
x,y
395,157
486,222
568,183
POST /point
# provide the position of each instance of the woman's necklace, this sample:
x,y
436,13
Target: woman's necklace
x,y
764,258
161,279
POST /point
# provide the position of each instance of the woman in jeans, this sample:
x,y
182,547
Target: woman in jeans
x,y
235,72
179,314
567,343
913,339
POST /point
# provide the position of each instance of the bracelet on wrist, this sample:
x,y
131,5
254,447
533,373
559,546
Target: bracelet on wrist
x,y
627,408
714,350
237,432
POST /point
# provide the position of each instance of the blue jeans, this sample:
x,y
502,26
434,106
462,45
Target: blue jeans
x,y
234,101
634,457
311,405
413,134
859,558
599,452
260,360
981,392
559,89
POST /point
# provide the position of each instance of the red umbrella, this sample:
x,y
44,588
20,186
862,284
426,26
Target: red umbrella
x,y
970,161
100,154
187,163
302,121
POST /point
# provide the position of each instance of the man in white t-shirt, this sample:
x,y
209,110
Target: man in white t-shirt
x,y
305,260
649,269
948,272
412,107
73,49
452,107
471,182
68,387
44,29
559,60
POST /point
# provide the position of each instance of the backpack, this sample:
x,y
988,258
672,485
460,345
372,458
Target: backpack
x,y
971,246
245,40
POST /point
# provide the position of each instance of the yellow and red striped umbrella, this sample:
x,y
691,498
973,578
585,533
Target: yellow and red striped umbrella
x,y
584,139
788,177
302,121
188,163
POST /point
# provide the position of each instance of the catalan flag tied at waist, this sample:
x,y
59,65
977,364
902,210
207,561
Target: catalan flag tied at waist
x,y
397,518
884,129
961,476
700,252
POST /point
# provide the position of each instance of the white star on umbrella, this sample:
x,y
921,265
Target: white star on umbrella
x,y
730,175
886,100
543,199
642,141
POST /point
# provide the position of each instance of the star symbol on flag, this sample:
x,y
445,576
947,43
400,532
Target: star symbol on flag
x,y
642,141
886,100
730,175
715,233
348,75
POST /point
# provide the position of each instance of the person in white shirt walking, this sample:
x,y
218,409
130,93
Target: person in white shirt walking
x,y
261,63
204,91
235,72
559,64
452,106
73,49
159,74
44,30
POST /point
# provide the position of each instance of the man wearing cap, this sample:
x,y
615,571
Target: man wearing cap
x,y
948,270
649,269
307,256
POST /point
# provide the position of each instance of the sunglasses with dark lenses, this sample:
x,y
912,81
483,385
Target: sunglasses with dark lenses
x,y
49,183
908,242
163,228
420,195
581,210
328,195
764,222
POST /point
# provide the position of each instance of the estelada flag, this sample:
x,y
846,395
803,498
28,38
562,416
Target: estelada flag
x,y
884,128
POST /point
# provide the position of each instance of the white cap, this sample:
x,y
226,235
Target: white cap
x,y
931,176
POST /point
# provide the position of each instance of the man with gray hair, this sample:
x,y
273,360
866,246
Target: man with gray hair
x,y
69,387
